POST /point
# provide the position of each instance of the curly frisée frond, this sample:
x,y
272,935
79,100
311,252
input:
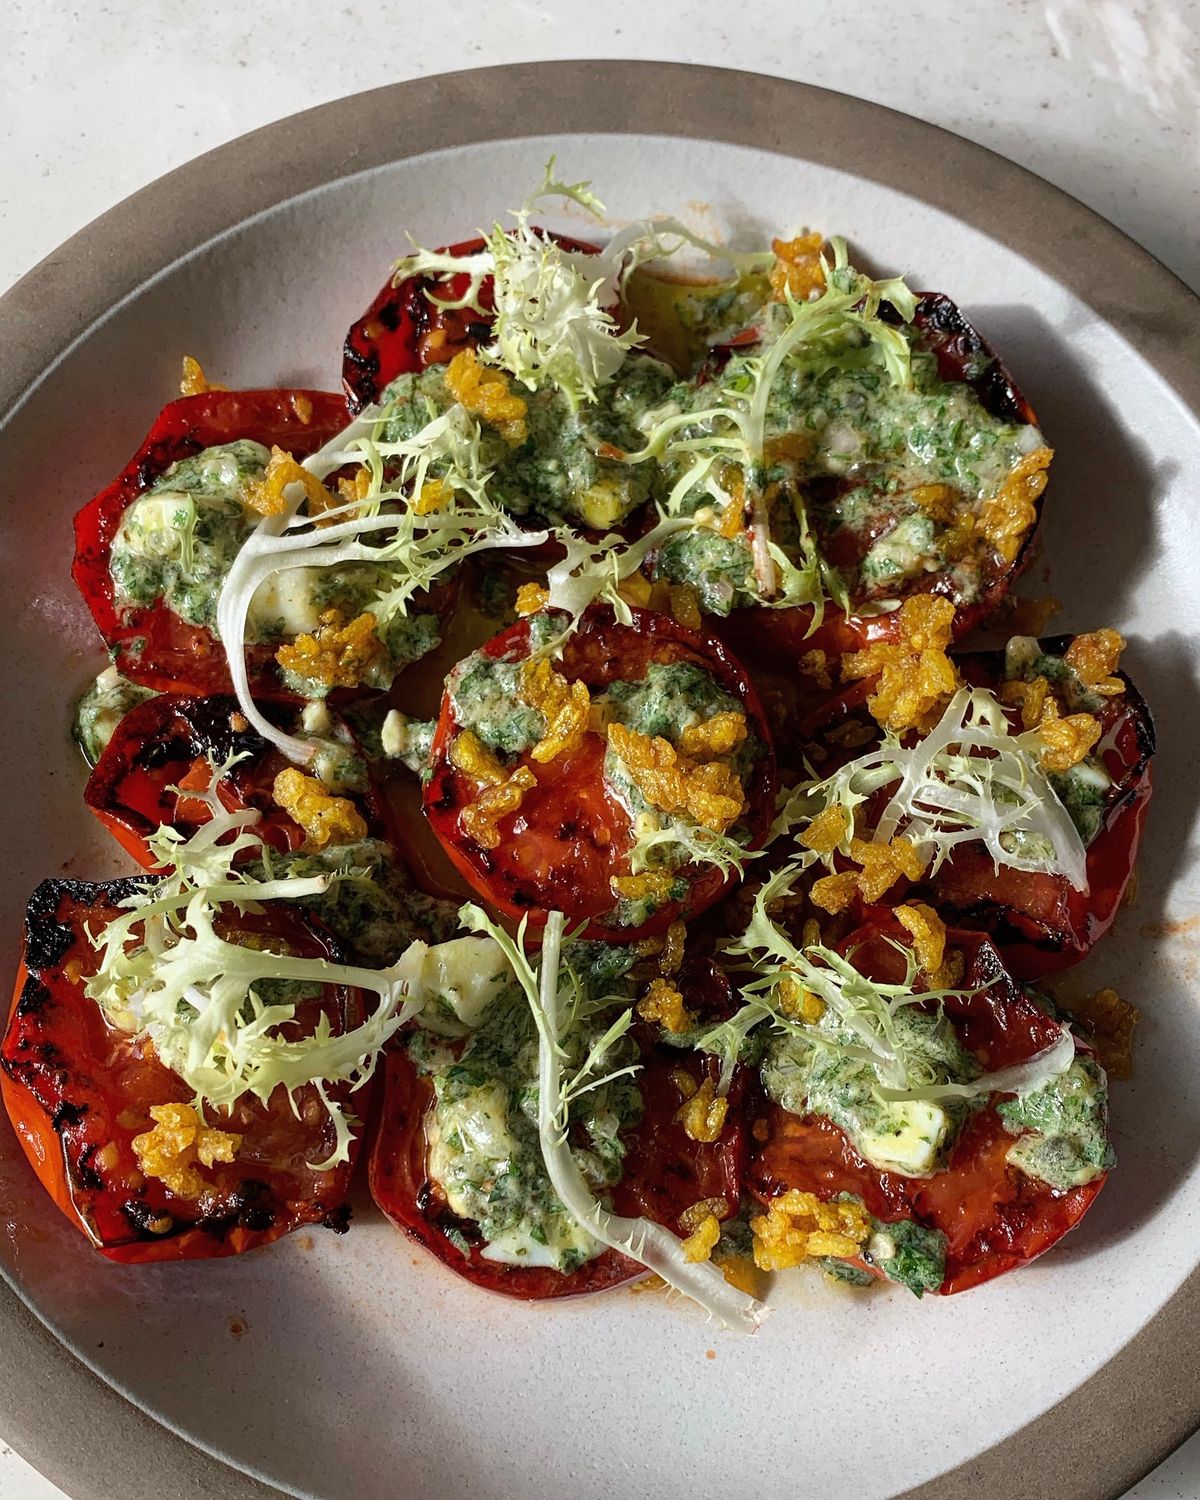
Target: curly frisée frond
x,y
555,312
166,975
386,527
640,1239
728,430
969,780
592,572
864,1011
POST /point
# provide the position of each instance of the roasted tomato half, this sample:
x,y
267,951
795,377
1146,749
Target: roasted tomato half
x,y
549,777
171,742
78,1093
404,329
774,640
994,1217
1039,923
665,1172
151,644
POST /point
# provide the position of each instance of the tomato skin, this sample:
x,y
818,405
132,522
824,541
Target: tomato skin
x,y
570,834
178,657
170,741
1039,923
665,1171
77,1092
994,1218
392,336
401,1188
778,638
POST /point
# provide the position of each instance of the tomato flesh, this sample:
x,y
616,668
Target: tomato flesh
x,y
172,741
401,1187
78,1092
403,330
665,1171
152,645
994,1217
1039,923
571,836
773,641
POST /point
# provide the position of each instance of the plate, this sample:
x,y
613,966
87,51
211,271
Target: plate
x,y
357,1366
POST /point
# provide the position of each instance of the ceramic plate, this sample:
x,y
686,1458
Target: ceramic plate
x,y
358,1366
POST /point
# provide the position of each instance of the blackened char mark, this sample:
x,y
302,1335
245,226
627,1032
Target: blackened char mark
x,y
161,456
48,940
252,1206
963,355
337,1219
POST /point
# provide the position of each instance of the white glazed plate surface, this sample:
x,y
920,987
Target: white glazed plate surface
x,y
357,1365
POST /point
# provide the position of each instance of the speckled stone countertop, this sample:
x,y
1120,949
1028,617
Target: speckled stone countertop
x,y
1098,96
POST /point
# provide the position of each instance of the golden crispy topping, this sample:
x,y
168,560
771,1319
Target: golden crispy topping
x,y
651,885
702,1115
355,487
671,956
1110,1022
1067,740
179,1142
928,934
502,791
696,1213
194,382
1032,697
679,600
563,704
949,976
480,819
797,272
532,597
1093,658
434,494
684,1082
337,654
916,677
710,794
720,735
798,1226
825,832
1006,519
834,893
485,393
815,664
884,864
326,819
636,590
302,406
266,495
700,1243
472,757
797,1003
936,500
433,347
732,521
663,1003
